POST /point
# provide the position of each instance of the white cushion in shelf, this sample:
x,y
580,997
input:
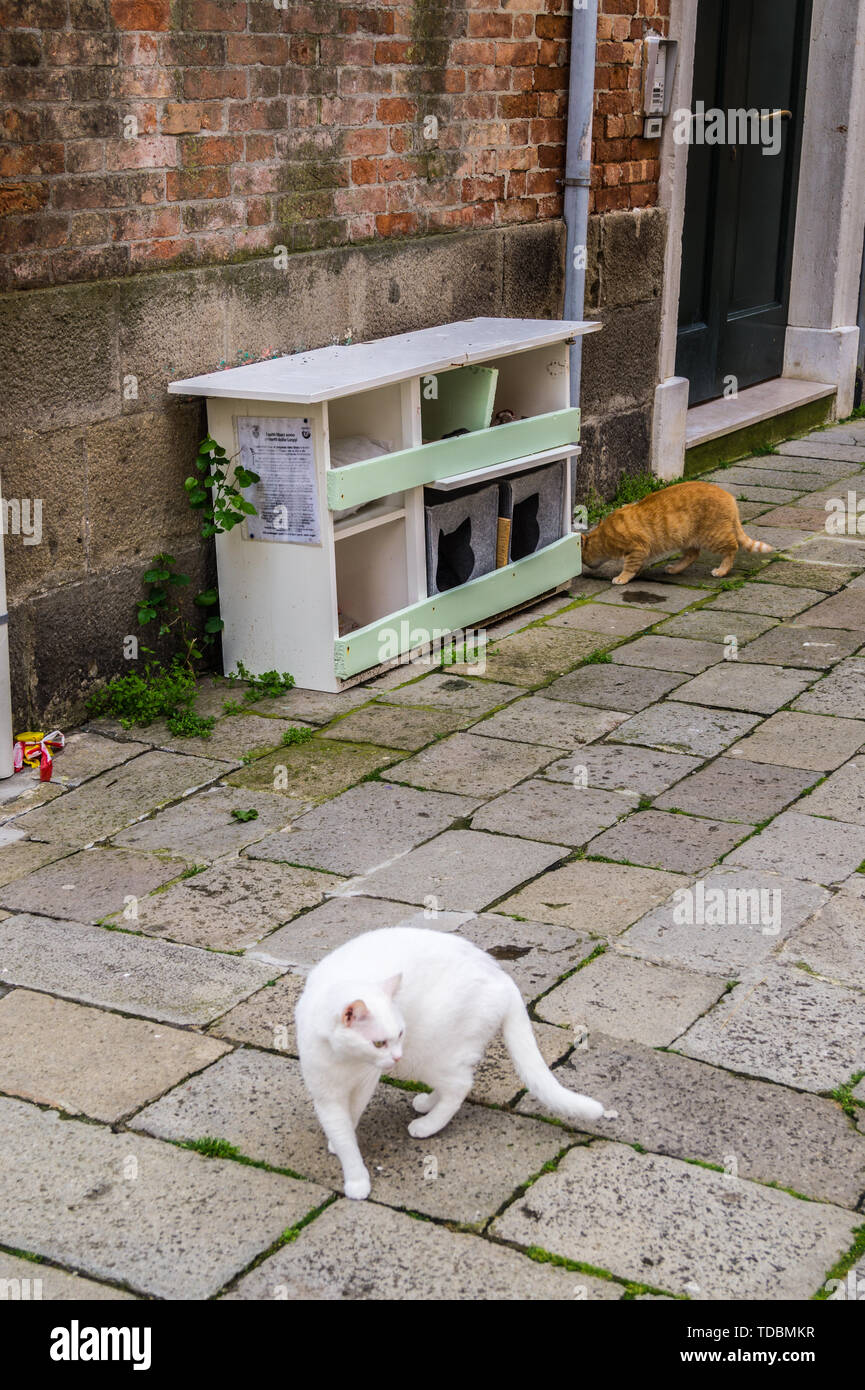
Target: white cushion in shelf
x,y
354,448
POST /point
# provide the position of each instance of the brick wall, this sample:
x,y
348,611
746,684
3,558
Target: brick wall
x,y
625,167
146,134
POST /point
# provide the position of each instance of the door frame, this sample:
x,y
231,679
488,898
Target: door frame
x,y
822,335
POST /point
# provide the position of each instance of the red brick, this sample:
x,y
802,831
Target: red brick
x,y
212,217
214,14
258,115
395,109
260,48
517,210
258,212
365,142
516,55
201,151
490,26
183,184
146,15
396,224
181,119
144,254
364,171
147,152
85,156
393,51
83,50
140,224
31,233
30,159
214,82
555,26
89,229
366,21
259,148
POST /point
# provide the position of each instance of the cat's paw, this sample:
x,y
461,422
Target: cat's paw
x,y
423,1102
358,1188
619,580
423,1128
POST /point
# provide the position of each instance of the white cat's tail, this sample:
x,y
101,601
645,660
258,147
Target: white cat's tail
x,y
533,1070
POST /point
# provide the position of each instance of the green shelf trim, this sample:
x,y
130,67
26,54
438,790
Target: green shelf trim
x,y
366,482
474,602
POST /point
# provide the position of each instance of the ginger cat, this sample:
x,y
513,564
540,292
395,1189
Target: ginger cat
x,y
687,516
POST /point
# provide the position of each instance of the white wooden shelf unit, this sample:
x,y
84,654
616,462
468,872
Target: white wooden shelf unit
x,y
283,601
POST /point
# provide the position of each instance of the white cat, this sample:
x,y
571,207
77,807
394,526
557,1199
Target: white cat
x,y
428,1000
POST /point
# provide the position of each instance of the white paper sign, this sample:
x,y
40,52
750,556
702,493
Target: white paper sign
x,y
281,452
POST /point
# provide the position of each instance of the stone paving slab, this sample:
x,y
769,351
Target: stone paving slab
x,y
826,550
48,1048
841,692
756,493
772,600
764,475
315,770
615,687
812,648
257,1101
535,655
706,624
115,799
265,1019
683,728
803,846
592,896
797,574
765,1244
534,954
729,921
824,448
841,796
394,726
646,593
86,755
733,789
50,1285
446,691
303,941
795,518
232,905
462,870
89,885
744,685
472,766
604,619
552,811
810,741
360,1252
174,984
202,828
786,1026
632,770
789,537
665,653
232,738
364,827
23,856
748,511
833,942
180,1228
683,1108
24,792
662,840
555,723
844,610
803,462
314,706
632,999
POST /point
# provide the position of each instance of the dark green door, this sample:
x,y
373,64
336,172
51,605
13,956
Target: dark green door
x,y
740,203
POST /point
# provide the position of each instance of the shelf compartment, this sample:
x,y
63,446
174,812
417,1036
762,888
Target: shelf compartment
x,y
374,514
463,400
371,576
500,470
429,463
477,601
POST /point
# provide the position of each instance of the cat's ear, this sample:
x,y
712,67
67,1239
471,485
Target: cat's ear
x,y
355,1012
391,986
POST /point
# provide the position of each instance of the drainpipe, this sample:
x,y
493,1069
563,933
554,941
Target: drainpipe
x,y
859,391
578,163
5,685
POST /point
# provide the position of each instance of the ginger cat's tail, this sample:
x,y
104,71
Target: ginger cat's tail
x,y
749,543
533,1070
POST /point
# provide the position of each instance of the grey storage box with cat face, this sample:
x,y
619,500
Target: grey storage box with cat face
x,y
460,536
533,503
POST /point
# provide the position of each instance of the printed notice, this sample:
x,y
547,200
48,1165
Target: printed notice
x,y
281,452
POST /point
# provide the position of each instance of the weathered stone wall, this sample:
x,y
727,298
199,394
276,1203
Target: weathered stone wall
x,y
109,466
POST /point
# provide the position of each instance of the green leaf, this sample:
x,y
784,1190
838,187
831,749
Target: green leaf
x,y
206,597
214,625
156,576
